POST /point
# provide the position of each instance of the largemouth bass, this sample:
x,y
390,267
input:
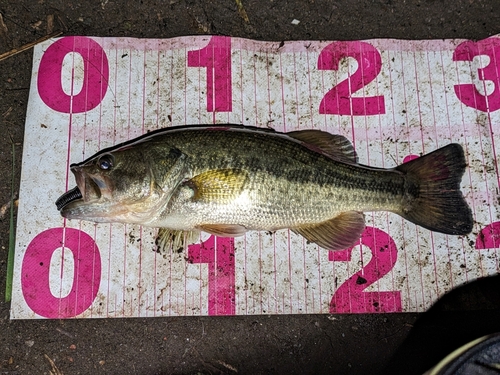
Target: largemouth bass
x,y
227,180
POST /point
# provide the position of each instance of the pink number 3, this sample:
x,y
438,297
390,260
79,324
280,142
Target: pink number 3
x,y
350,297
467,93
338,100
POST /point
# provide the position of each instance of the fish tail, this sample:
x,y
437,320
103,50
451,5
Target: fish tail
x,y
432,197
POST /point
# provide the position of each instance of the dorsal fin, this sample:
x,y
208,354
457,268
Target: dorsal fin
x,y
334,145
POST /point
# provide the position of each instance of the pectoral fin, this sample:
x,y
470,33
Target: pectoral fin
x,y
223,230
220,185
338,233
169,239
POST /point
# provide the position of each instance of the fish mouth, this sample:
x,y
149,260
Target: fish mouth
x,y
86,191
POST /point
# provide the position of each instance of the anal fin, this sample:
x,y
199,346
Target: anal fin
x,y
338,233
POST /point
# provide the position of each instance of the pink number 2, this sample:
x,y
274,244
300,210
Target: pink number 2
x,y
350,297
216,57
467,93
219,254
338,100
489,237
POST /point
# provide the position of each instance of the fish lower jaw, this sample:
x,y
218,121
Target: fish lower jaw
x,y
88,212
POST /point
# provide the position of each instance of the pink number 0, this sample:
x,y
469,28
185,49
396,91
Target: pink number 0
x,y
36,266
95,79
219,254
467,93
350,296
216,57
338,100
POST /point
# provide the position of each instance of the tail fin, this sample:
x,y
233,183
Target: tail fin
x,y
433,198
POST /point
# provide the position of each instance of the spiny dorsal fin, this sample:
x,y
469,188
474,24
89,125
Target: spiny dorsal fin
x,y
338,233
220,185
334,145
223,230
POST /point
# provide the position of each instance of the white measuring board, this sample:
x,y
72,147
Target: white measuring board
x,y
394,99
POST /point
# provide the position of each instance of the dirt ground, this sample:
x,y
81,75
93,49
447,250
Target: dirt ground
x,y
315,344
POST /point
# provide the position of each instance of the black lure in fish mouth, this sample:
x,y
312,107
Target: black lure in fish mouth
x,y
86,189
68,197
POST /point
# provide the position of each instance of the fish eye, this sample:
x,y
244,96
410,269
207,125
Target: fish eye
x,y
106,162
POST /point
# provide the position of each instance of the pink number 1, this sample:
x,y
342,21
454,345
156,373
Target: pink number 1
x,y
216,57
350,297
219,254
338,100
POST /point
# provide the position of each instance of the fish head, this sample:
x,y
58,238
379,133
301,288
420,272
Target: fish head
x,y
116,186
